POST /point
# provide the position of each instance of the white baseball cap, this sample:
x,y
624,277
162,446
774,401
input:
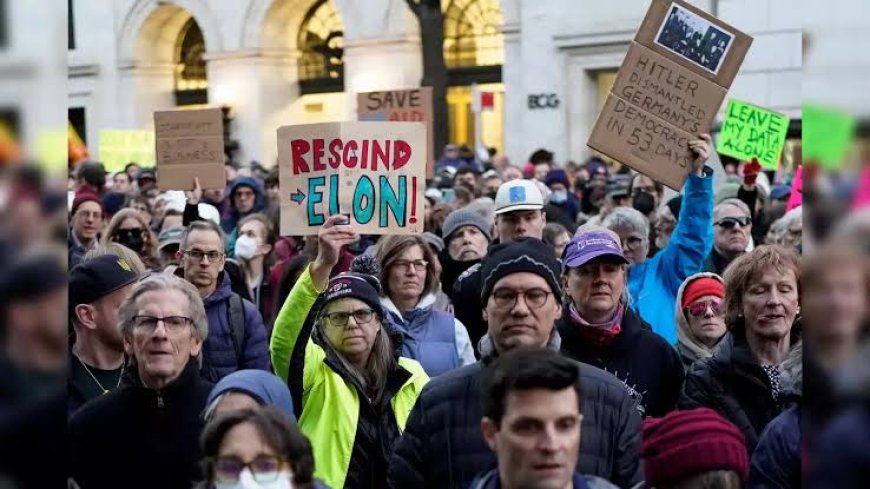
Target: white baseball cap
x,y
518,195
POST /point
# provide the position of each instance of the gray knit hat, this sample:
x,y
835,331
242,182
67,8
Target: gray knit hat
x,y
465,217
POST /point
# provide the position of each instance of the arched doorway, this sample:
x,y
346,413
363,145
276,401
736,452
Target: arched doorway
x,y
321,50
474,53
190,75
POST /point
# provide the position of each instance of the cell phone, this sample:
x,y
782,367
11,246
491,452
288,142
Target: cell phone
x,y
345,221
448,195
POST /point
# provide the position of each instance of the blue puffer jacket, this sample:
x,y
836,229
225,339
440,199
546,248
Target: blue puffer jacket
x,y
219,355
653,284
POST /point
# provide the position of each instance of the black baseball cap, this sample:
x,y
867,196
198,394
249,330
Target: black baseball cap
x,y
98,277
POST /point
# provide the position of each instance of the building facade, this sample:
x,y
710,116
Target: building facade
x,y
276,62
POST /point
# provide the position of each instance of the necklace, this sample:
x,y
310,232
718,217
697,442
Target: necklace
x,y
103,389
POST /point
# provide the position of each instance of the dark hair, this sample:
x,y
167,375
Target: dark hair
x,y
391,247
525,369
277,431
541,156
552,230
660,188
271,178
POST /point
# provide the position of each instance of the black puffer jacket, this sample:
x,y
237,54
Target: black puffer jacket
x,y
648,366
442,446
733,384
139,437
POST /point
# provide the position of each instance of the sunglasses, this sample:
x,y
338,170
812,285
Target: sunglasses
x,y
698,309
731,222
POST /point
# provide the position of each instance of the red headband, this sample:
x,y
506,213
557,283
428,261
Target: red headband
x,y
700,287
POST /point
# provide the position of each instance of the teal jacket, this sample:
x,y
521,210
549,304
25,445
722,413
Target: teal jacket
x,y
653,284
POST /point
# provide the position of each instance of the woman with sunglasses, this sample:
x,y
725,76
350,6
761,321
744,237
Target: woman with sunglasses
x,y
700,316
742,380
257,448
129,228
597,326
333,347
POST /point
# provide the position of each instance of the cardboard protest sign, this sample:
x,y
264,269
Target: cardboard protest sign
x,y
827,134
642,141
692,38
673,93
752,132
414,105
190,144
670,86
119,147
372,172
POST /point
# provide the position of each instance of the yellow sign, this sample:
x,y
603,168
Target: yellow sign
x,y
119,147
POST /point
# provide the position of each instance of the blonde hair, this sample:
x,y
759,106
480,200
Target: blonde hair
x,y
120,251
149,251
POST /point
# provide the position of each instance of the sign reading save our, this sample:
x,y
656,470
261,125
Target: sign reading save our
x,y
752,132
371,172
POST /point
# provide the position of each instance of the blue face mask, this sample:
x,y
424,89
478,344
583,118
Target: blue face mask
x,y
559,197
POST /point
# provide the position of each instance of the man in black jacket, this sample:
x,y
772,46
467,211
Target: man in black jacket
x,y
443,447
145,434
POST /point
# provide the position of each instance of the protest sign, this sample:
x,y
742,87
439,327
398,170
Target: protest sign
x,y
670,86
414,105
371,172
643,142
669,91
190,144
752,132
692,38
118,147
827,134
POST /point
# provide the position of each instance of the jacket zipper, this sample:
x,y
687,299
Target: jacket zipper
x,y
160,403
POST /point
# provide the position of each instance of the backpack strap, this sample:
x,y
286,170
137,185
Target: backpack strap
x,y
236,313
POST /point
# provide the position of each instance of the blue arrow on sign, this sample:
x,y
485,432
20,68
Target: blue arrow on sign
x,y
297,197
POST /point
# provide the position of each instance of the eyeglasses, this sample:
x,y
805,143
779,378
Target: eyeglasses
x,y
507,299
173,324
633,242
730,222
405,265
264,468
698,309
340,319
198,255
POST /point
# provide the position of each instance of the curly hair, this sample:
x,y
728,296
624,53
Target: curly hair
x,y
149,250
751,266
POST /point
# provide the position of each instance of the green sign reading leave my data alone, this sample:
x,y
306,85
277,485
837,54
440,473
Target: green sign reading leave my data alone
x,y
752,132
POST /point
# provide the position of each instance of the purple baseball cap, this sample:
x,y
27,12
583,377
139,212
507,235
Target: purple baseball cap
x,y
588,246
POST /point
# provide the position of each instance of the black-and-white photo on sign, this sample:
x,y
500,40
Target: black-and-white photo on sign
x,y
694,38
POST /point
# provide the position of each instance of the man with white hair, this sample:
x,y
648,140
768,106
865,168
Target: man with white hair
x,y
146,434
732,227
653,283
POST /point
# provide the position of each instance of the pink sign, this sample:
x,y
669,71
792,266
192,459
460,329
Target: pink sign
x,y
797,196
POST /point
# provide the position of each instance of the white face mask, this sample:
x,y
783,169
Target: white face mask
x,y
246,481
246,247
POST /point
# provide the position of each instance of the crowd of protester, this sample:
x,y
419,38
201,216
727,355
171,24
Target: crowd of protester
x,y
557,325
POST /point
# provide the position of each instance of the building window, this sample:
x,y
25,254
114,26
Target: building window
x,y
321,46
472,35
191,82
71,31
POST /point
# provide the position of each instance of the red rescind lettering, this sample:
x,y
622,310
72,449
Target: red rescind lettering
x,y
381,153
298,148
402,154
334,153
349,160
317,155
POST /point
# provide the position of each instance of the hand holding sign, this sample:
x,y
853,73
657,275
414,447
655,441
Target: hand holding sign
x,y
194,196
330,239
701,149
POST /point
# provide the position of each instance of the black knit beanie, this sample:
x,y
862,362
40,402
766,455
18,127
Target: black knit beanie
x,y
521,255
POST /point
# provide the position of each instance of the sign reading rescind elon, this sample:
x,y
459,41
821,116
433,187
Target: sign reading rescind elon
x,y
371,172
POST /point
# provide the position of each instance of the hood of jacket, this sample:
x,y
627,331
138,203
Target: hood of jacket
x,y
423,305
263,386
222,292
259,196
684,333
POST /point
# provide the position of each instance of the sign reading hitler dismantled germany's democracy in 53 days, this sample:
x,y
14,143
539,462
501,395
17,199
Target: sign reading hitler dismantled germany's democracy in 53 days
x,y
670,86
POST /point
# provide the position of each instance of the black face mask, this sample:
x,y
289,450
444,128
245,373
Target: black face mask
x,y
131,239
643,202
492,195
